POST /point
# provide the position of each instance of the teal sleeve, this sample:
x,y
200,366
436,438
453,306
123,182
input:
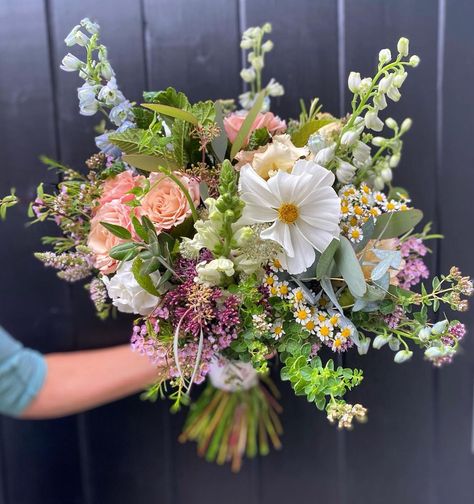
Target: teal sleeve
x,y
22,374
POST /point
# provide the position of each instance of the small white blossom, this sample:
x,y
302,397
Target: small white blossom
x,y
386,174
248,74
326,155
385,83
90,26
75,36
402,356
354,81
372,121
379,101
350,137
274,88
406,125
403,46
345,171
267,46
365,85
414,61
70,63
391,123
385,56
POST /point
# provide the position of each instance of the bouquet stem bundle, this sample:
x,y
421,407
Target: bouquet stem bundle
x,y
228,425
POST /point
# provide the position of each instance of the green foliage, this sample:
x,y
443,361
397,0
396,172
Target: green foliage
x,y
138,141
143,278
349,267
395,224
7,202
219,144
258,138
143,117
326,259
116,230
301,136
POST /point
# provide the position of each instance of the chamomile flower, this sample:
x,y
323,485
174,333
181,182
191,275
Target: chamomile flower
x,y
277,330
335,319
337,344
273,290
324,331
380,198
297,296
302,314
310,326
346,332
283,290
270,280
355,234
276,266
391,206
323,301
375,212
322,316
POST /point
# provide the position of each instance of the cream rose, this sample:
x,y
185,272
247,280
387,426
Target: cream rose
x,y
165,203
279,155
100,240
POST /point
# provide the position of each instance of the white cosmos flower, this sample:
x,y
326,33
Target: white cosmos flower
x,y
302,205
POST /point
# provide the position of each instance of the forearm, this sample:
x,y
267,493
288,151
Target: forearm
x,y
78,381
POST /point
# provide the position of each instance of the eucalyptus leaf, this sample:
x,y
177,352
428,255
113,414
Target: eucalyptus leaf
x,y
326,285
394,224
349,266
326,257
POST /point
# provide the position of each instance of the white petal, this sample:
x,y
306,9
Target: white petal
x,y
251,182
304,253
322,175
280,233
318,238
254,213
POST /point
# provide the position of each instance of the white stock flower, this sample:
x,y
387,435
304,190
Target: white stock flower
x,y
71,63
345,171
215,271
126,294
302,206
372,121
353,82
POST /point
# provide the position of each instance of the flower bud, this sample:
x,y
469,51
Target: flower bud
x,y
380,341
372,121
386,174
246,43
274,88
391,123
402,356
361,152
394,344
424,334
257,62
433,352
406,125
349,137
403,46
267,46
354,81
385,56
248,74
379,184
414,61
345,172
394,160
90,26
267,28
378,141
440,327
399,79
365,85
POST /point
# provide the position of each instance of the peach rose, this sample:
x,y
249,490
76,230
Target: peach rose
x,y
100,241
233,123
165,204
116,188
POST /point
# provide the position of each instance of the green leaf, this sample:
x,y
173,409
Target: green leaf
x,y
118,231
258,138
219,144
149,266
204,112
396,193
169,96
395,224
247,124
179,138
149,163
177,113
143,281
123,251
139,228
326,258
143,117
138,141
350,269
301,136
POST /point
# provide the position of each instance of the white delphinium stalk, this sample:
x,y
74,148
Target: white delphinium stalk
x,y
252,41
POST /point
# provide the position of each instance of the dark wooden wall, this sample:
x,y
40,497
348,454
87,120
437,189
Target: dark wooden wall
x,y
416,448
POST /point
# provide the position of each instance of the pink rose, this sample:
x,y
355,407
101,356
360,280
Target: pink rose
x,y
233,123
116,188
165,204
100,241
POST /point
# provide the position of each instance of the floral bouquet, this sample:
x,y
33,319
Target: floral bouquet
x,y
238,239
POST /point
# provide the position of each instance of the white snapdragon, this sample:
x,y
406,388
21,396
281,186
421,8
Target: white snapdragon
x,y
354,82
126,293
372,121
71,63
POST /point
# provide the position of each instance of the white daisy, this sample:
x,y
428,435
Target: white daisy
x,y
302,205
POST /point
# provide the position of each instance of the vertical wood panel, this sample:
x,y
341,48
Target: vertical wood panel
x,y
305,61
396,444
455,458
34,311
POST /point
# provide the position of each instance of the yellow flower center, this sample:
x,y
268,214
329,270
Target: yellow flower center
x,y
337,343
334,320
302,314
298,296
284,289
278,330
310,325
346,332
276,263
288,213
324,331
